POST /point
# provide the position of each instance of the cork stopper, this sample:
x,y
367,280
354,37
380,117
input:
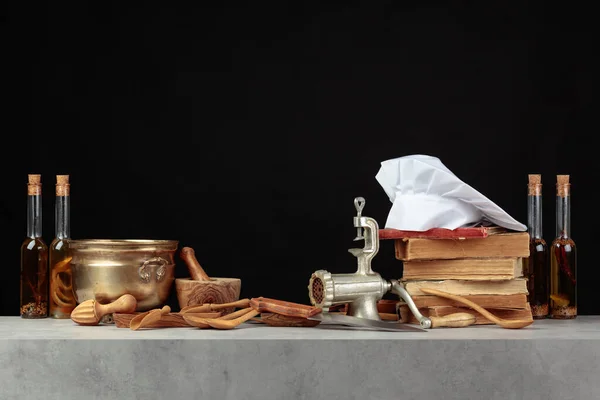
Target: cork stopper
x,y
563,187
535,185
63,188
35,179
34,184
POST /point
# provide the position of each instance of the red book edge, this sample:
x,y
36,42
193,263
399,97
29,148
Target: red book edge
x,y
436,233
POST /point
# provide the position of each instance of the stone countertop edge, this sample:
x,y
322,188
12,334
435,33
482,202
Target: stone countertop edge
x,y
16,328
57,359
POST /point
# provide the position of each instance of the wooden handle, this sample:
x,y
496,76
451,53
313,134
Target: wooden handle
x,y
124,304
188,255
281,307
202,308
171,320
509,324
456,320
221,323
145,320
243,303
165,310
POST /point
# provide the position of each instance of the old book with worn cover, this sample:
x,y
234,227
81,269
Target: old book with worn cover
x,y
463,288
510,314
496,301
509,244
499,268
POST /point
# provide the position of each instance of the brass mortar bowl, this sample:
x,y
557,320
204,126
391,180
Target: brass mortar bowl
x,y
105,269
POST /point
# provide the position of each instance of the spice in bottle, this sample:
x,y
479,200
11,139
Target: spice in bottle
x,y
62,298
536,266
563,257
34,256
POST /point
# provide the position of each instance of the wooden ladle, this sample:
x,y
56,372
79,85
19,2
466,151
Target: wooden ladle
x,y
148,318
504,323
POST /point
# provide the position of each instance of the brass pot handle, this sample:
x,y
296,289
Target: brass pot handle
x,y
144,272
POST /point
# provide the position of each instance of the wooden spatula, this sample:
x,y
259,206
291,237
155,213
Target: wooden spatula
x,y
90,312
148,318
504,323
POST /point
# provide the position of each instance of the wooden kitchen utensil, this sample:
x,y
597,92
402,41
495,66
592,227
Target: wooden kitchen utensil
x,y
508,324
202,289
273,319
147,318
201,308
219,323
284,313
90,312
197,273
289,309
200,322
170,320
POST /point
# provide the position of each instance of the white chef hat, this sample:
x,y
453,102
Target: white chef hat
x,y
425,194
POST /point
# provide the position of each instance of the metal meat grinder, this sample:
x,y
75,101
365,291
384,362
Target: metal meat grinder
x,y
364,288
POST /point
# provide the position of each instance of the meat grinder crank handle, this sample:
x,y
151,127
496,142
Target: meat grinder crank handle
x,y
359,204
398,289
455,320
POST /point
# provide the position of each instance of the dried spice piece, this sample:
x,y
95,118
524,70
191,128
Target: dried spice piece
x,y
35,310
561,257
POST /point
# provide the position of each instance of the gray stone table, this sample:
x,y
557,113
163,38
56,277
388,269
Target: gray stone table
x,y
56,359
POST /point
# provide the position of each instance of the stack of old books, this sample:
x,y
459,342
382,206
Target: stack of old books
x,y
487,270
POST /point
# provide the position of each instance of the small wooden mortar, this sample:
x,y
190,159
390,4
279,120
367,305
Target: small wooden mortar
x,y
201,289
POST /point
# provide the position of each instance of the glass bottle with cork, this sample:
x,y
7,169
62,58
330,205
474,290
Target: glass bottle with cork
x,y
536,268
62,298
563,257
34,256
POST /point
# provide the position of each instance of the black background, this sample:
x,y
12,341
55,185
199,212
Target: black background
x,y
246,132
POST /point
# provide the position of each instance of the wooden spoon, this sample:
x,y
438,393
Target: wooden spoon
x,y
222,323
200,322
170,320
90,312
148,318
202,308
504,323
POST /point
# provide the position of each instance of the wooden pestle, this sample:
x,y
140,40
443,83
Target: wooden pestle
x,y
188,255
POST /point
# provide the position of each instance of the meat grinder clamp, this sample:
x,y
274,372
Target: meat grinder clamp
x,y
360,290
